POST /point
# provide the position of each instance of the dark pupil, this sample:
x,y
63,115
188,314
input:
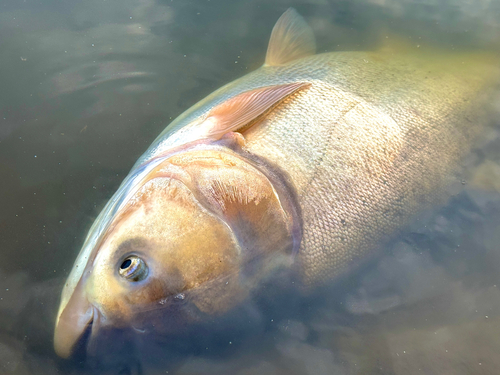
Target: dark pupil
x,y
126,264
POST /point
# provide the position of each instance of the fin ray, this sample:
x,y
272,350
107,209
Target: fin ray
x,y
291,39
237,112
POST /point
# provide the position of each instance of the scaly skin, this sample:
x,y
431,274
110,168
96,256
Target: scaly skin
x,y
380,136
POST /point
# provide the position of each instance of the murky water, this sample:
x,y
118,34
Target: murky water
x,y
84,89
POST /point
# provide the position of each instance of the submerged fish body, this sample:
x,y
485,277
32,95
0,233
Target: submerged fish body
x,y
310,163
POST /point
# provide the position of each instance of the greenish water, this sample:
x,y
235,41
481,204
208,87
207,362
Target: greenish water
x,y
85,87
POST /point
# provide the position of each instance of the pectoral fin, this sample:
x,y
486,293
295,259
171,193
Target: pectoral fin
x,y
292,38
241,110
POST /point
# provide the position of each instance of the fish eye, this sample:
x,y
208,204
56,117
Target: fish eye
x,y
133,268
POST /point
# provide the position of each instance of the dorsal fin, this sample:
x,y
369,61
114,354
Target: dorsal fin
x,y
239,111
291,39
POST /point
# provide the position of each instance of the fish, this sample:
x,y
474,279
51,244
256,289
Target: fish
x,y
310,164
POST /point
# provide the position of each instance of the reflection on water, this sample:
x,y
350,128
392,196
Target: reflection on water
x,y
86,87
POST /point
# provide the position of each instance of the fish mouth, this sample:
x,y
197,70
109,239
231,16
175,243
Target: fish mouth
x,y
76,321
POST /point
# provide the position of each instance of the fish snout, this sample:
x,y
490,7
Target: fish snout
x,y
77,317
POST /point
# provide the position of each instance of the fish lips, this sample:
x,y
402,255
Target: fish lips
x,y
78,316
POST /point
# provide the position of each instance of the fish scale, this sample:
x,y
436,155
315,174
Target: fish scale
x,y
349,204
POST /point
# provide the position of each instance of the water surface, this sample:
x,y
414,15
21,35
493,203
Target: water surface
x,y
85,87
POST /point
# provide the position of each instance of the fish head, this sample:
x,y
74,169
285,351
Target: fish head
x,y
203,224
189,241
165,244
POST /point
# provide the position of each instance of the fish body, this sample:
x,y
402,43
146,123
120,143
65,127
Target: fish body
x,y
311,163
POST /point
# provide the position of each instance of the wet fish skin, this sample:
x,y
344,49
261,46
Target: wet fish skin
x,y
381,136
341,150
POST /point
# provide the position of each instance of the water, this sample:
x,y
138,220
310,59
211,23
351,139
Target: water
x,y
86,87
